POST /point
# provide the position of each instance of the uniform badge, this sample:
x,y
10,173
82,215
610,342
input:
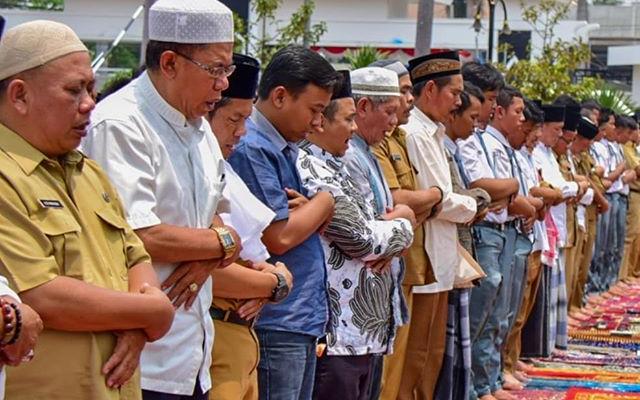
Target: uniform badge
x,y
50,203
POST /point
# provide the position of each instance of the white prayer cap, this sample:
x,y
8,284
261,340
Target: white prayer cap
x,y
190,22
374,81
34,44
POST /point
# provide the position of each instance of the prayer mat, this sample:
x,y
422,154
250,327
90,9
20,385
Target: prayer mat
x,y
538,395
590,394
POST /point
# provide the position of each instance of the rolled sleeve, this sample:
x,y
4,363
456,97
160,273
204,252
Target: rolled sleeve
x,y
26,255
258,169
122,151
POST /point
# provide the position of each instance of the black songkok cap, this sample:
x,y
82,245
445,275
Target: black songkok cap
x,y
553,113
244,80
586,128
434,65
571,118
344,88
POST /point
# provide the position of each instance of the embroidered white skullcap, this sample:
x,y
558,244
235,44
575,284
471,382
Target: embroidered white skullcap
x,y
374,81
35,43
190,22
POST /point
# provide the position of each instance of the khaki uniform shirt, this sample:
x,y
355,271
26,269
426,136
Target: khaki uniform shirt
x,y
63,219
399,174
632,158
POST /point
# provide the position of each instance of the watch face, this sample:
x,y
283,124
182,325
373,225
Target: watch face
x,y
227,240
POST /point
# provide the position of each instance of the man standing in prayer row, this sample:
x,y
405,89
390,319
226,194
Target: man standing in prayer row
x,y
297,82
437,85
401,178
359,243
158,149
65,245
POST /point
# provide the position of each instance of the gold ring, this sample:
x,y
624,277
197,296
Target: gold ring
x,y
193,287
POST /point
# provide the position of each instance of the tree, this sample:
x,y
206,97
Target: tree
x,y
297,31
52,5
424,27
364,56
552,72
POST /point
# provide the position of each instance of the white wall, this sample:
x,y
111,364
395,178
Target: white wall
x,y
354,23
92,20
351,23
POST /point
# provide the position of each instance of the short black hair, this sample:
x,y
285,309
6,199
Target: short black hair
x,y
605,114
331,110
439,82
591,104
295,67
623,121
506,95
155,49
470,90
533,113
484,76
566,100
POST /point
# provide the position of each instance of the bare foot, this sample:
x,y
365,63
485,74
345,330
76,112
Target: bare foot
x,y
510,382
487,397
503,395
523,366
522,377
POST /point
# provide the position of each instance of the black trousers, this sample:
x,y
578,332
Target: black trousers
x,y
197,395
343,377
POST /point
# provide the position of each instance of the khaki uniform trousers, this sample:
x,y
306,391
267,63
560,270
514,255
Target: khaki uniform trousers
x,y
394,363
234,365
511,352
631,257
424,350
577,293
573,263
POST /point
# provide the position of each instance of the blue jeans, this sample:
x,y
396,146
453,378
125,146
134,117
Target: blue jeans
x,y
596,281
287,365
617,229
513,291
494,249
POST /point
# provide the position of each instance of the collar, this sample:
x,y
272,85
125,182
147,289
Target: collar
x,y
318,152
267,128
28,157
432,127
450,145
359,143
183,127
498,136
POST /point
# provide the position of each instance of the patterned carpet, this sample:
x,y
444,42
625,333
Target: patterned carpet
x,y
603,358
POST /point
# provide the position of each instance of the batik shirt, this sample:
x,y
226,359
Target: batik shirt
x,y
361,317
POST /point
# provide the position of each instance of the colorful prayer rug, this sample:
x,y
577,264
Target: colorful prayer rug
x,y
590,394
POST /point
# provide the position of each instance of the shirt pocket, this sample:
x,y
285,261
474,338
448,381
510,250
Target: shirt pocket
x,y
64,233
403,172
114,233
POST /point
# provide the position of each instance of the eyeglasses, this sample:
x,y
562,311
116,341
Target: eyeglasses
x,y
216,72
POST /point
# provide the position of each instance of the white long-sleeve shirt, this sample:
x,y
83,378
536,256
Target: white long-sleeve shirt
x,y
425,147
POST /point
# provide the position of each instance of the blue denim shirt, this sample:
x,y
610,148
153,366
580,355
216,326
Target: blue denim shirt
x,y
266,163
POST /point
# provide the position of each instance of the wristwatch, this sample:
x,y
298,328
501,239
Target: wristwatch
x,y
226,240
281,291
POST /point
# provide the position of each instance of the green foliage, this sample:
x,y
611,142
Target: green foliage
x,y
617,100
552,72
240,33
53,5
116,78
264,46
125,55
364,56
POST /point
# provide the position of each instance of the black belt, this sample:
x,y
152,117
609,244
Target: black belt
x,y
496,226
229,316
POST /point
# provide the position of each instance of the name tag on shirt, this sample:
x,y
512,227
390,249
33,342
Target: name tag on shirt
x,y
50,203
